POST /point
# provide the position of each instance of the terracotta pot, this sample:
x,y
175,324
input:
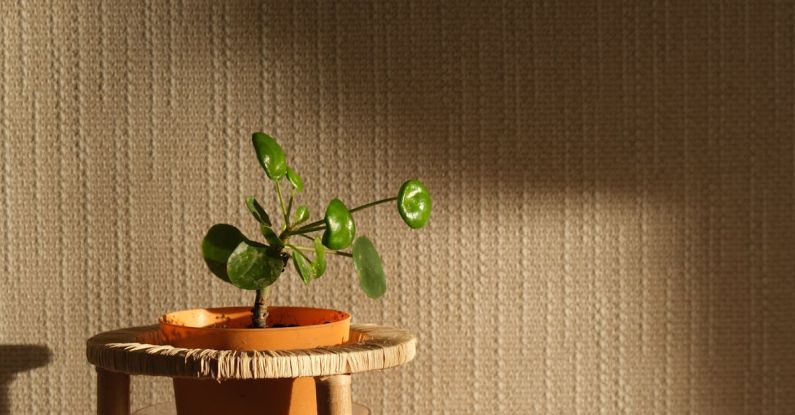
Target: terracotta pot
x,y
225,329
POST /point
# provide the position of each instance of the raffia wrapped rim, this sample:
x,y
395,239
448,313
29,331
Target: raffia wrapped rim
x,y
135,351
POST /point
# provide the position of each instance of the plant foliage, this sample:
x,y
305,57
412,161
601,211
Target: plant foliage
x,y
252,265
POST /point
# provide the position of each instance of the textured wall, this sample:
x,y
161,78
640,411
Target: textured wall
x,y
613,190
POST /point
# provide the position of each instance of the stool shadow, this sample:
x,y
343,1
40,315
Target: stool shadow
x,y
18,358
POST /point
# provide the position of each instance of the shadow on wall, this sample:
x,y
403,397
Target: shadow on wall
x,y
559,110
15,359
685,125
543,118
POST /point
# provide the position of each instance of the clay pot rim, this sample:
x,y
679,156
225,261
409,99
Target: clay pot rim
x,y
162,320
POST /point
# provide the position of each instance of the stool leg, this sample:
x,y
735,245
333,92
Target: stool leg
x,y
113,393
334,395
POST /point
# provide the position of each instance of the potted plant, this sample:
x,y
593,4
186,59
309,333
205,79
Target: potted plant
x,y
255,266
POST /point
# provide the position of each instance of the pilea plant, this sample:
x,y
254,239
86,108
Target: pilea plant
x,y
253,265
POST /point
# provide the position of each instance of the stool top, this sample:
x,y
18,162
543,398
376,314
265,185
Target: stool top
x,y
132,350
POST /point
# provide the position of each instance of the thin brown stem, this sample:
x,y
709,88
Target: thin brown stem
x,y
259,314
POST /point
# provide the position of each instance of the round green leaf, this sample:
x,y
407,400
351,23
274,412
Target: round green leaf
x,y
270,155
220,241
414,203
257,211
340,228
252,266
367,264
303,266
295,180
301,215
319,266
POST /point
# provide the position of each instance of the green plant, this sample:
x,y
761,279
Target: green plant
x,y
252,265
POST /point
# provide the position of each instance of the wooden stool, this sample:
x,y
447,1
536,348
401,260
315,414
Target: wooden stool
x,y
136,351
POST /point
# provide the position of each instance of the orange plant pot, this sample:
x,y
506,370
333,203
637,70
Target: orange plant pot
x,y
289,328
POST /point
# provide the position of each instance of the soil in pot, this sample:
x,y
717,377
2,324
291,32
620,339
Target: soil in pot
x,y
227,329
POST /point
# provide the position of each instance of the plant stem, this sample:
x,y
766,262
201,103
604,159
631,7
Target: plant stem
x,y
305,236
284,208
371,204
259,314
300,231
301,248
309,249
290,204
315,229
311,227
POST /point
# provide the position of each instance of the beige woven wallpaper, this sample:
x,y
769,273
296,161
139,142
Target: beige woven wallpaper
x,y
613,183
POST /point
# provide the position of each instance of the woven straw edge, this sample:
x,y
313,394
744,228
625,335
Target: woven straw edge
x,y
380,347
